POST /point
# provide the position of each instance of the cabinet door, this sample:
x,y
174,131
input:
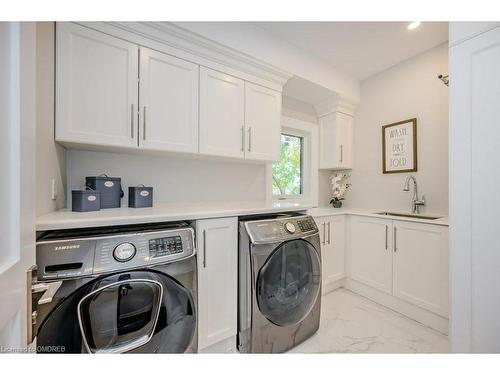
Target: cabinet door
x,y
262,120
371,252
421,265
217,243
96,87
334,256
222,111
331,233
344,140
336,141
169,103
327,146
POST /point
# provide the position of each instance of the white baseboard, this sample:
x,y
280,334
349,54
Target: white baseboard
x,y
425,317
227,346
330,287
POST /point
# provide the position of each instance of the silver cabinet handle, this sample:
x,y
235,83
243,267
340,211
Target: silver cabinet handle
x,y
329,233
324,234
386,234
144,124
242,139
204,248
132,121
341,153
395,239
250,139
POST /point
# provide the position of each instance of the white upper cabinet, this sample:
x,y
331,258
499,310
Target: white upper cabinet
x,y
421,265
168,98
115,93
371,252
262,120
335,134
96,88
222,114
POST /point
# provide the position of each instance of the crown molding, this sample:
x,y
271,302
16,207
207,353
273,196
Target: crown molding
x,y
197,48
334,104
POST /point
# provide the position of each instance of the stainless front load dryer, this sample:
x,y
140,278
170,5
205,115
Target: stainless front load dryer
x,y
279,283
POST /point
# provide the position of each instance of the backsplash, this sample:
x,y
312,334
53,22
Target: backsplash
x,y
174,179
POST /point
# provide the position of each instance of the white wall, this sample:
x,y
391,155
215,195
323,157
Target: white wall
x,y
409,89
174,179
263,45
51,158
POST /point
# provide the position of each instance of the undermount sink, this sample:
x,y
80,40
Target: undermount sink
x,y
416,216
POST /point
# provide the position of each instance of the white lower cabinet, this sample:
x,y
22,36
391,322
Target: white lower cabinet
x,y
331,233
408,260
370,252
420,265
217,247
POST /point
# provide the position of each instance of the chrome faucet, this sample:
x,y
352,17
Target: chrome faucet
x,y
415,202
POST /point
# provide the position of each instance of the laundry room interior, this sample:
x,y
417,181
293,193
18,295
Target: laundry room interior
x,y
250,187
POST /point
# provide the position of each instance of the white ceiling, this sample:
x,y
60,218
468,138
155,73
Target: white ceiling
x,y
361,49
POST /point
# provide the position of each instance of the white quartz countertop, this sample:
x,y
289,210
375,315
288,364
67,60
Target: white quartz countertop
x,y
66,219
330,211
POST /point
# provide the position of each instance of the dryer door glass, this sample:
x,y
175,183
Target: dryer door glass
x,y
288,283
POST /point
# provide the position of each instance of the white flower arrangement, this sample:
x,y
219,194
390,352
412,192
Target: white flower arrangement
x,y
339,188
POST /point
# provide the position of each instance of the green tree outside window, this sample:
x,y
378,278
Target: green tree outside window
x,y
287,173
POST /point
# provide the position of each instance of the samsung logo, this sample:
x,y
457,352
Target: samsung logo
x,y
66,247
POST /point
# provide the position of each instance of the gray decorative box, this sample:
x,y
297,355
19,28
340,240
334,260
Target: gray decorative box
x,y
140,196
85,200
110,188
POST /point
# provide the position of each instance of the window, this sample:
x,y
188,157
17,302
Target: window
x,y
288,173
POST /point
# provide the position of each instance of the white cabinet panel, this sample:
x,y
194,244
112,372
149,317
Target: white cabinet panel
x,y
222,113
461,31
336,141
262,120
217,243
96,87
371,252
168,98
420,259
474,180
332,239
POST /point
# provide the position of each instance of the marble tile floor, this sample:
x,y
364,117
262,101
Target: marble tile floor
x,y
351,323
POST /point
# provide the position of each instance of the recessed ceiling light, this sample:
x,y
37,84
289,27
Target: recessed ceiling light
x,y
413,25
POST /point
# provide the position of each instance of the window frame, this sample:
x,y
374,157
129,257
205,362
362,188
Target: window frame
x,y
310,157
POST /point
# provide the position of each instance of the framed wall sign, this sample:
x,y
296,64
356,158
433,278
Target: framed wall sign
x,y
399,146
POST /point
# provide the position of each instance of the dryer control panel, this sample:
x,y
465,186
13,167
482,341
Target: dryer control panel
x,y
281,229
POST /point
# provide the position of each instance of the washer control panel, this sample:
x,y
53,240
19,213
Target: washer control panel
x,y
280,229
93,255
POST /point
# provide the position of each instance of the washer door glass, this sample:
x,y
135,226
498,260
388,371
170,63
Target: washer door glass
x,y
288,283
144,311
120,316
